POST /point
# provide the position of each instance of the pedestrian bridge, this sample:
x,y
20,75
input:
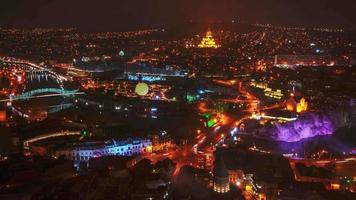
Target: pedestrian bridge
x,y
33,93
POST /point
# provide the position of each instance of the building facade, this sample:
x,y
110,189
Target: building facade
x,y
86,151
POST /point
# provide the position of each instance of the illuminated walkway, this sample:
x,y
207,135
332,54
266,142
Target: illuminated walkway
x,y
32,93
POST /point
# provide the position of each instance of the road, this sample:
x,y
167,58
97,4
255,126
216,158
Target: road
x,y
204,143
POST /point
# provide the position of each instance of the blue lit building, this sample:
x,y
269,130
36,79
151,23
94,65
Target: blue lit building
x,y
104,67
86,150
141,71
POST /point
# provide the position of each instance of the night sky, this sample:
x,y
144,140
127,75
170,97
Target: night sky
x,y
98,15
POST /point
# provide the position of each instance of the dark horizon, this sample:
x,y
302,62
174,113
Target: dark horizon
x,y
112,15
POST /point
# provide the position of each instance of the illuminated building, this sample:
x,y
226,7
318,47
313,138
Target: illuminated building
x,y
208,41
334,186
277,94
205,160
261,66
141,69
85,151
269,92
221,177
236,177
104,67
302,106
150,79
209,160
282,116
291,104
259,85
161,142
293,61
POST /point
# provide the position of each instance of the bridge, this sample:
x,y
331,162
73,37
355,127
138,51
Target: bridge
x,y
32,93
48,136
33,66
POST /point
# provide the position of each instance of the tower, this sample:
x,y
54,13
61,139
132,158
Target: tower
x,y
221,176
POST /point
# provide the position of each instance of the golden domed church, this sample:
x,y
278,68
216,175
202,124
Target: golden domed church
x,y
208,41
300,107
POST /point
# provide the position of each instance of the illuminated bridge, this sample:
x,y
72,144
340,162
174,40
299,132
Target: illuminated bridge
x,y
32,66
50,135
50,91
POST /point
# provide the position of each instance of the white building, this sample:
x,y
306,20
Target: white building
x,y
85,151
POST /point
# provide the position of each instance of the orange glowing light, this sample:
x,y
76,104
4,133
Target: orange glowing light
x,y
149,149
261,66
176,171
223,119
2,116
335,186
248,188
302,106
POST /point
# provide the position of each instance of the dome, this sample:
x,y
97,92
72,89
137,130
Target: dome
x,y
141,89
121,53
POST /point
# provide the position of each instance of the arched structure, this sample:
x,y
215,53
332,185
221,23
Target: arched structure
x,y
49,135
30,94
